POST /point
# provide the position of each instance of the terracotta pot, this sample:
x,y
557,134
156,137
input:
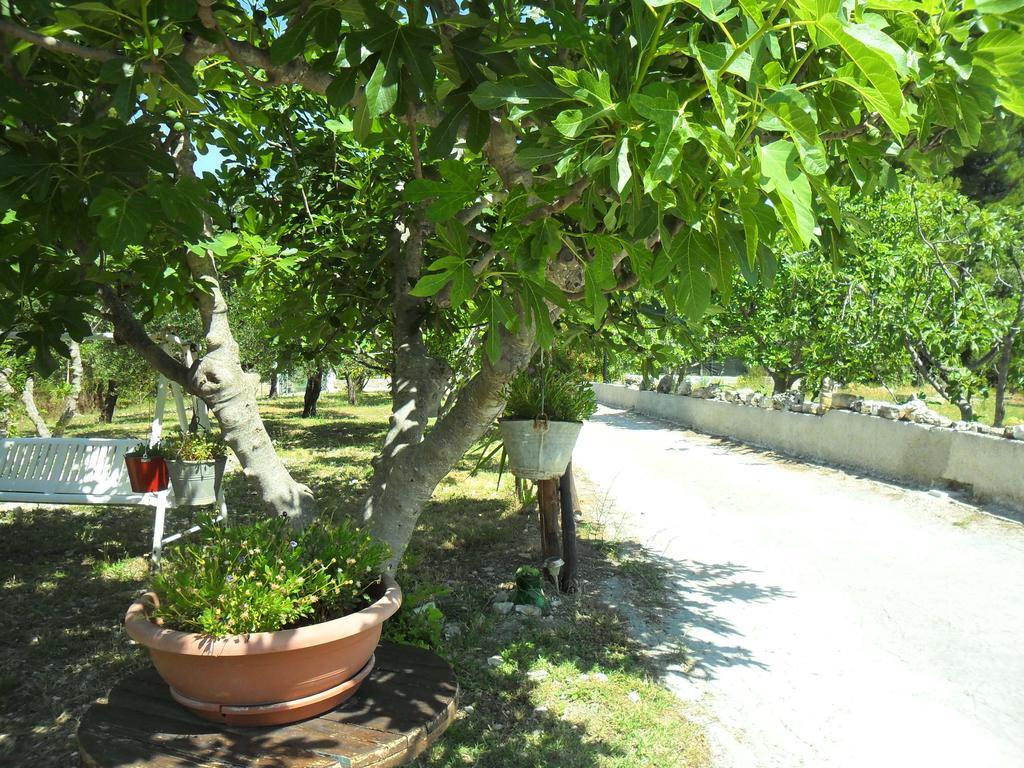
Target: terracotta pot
x,y
146,475
266,678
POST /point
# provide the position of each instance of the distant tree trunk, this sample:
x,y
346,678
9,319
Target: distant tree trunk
x,y
7,396
966,409
314,385
71,401
28,398
604,366
354,384
273,385
108,402
549,507
1003,374
782,381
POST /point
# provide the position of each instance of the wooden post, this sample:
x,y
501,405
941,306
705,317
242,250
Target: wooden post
x,y
567,493
549,505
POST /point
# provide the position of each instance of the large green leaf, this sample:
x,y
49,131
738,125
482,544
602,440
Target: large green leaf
x,y
690,251
790,187
797,114
381,88
884,94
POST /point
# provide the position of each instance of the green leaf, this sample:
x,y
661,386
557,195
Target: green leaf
x,y
689,250
791,188
289,45
381,88
430,284
341,90
797,114
521,92
884,94
123,219
620,169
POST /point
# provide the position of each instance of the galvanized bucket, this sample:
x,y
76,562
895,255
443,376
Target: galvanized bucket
x,y
195,483
538,449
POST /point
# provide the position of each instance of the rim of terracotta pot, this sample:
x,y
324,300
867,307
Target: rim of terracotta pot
x,y
145,632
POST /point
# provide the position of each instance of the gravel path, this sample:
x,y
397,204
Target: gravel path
x,y
835,621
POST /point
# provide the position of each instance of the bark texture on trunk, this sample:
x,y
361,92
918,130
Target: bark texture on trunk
x,y
354,384
8,394
549,509
29,400
567,578
314,385
217,377
70,409
414,461
273,386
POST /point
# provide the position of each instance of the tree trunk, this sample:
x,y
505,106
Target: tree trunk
x,y
314,385
217,377
71,402
966,409
1003,374
108,402
273,385
549,509
413,462
567,578
354,384
604,366
781,381
28,398
7,397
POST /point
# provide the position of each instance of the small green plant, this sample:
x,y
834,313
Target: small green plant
x,y
419,621
558,394
200,445
529,587
264,576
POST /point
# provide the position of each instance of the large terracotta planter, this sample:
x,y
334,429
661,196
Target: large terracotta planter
x,y
266,678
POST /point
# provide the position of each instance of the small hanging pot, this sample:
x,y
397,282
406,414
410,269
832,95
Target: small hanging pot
x,y
146,475
538,449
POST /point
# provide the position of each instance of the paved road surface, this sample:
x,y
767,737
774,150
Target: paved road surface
x,y
836,621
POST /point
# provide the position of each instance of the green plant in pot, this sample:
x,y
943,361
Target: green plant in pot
x,y
259,624
147,468
544,412
195,466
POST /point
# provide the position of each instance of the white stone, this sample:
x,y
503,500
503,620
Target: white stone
x,y
495,661
1017,431
503,608
601,677
537,674
634,696
529,610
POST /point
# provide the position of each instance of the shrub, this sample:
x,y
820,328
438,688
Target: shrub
x,y
264,576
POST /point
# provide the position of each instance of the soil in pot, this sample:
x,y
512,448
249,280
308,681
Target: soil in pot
x,y
266,678
146,475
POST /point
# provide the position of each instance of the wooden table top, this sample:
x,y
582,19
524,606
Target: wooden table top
x,y
404,706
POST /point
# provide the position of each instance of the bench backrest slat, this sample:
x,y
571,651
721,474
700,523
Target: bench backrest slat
x,y
64,465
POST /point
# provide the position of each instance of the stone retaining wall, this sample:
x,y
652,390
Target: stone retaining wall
x,y
993,467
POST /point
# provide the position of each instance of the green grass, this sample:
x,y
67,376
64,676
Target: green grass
x,y
68,574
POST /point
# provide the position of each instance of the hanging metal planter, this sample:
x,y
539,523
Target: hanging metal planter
x,y
538,449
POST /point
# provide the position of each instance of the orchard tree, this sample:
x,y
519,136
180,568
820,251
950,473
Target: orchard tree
x,y
560,153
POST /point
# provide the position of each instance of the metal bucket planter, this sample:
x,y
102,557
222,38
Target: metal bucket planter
x,y
538,449
196,483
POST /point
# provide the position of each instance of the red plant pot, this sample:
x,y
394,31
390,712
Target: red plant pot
x,y
146,475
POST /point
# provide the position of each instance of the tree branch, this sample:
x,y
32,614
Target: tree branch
x,y
53,44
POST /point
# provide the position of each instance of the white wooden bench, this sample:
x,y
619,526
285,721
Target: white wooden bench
x,y
80,470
